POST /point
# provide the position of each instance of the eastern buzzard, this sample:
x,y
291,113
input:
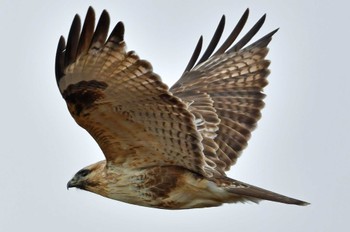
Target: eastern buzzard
x,y
165,148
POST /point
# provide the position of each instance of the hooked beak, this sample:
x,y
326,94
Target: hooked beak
x,y
69,185
77,183
72,183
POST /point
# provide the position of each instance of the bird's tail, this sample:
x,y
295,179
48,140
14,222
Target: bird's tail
x,y
243,191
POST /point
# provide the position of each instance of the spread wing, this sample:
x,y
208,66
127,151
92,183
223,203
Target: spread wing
x,y
118,99
224,91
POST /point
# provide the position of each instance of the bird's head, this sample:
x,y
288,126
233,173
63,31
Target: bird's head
x,y
90,178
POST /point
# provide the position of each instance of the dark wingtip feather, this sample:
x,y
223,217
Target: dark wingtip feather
x,y
59,64
87,32
229,41
117,35
214,41
195,55
265,40
101,31
234,34
240,44
72,42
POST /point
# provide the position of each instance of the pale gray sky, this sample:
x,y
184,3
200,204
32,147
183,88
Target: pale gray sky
x,y
300,148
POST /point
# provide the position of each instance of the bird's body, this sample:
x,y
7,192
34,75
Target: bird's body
x,y
164,148
170,187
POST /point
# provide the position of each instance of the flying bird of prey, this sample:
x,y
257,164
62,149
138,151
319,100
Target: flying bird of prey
x,y
165,148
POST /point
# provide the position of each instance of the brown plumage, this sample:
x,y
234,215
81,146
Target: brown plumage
x,y
165,148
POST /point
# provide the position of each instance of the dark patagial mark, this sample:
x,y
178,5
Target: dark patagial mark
x,y
82,95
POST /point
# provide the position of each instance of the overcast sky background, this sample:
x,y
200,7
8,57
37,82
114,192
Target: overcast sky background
x,y
300,148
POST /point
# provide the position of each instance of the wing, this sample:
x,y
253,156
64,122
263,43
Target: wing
x,y
224,91
118,99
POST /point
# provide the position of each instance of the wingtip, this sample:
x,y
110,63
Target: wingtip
x,y
62,40
121,27
277,29
104,18
201,39
90,12
214,41
223,18
195,55
262,19
76,19
246,12
105,13
117,35
271,33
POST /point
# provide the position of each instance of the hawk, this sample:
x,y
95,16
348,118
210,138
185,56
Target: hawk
x,y
165,148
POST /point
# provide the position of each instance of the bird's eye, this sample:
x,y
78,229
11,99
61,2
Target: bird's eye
x,y
83,172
